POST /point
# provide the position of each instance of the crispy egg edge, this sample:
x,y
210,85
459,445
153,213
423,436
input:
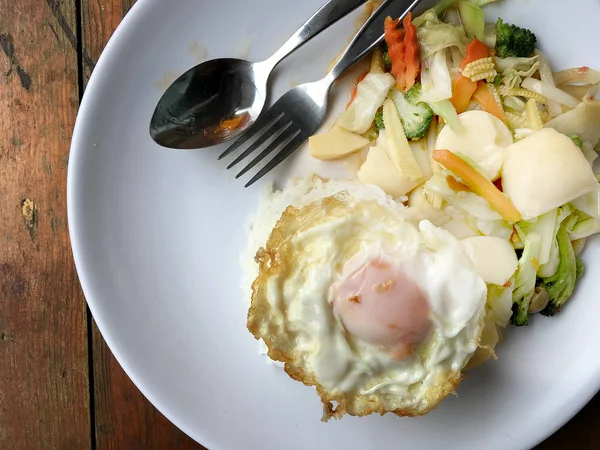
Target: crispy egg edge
x,y
272,261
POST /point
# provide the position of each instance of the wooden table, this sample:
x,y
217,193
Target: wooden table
x,y
60,387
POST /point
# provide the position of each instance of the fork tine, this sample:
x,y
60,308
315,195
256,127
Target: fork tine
x,y
261,123
288,133
261,140
286,151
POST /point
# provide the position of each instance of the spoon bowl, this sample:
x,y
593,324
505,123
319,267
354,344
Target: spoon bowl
x,y
211,103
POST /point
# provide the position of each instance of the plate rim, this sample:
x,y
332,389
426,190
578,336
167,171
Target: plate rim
x,y
579,398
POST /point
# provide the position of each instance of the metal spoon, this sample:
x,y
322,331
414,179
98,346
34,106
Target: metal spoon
x,y
219,99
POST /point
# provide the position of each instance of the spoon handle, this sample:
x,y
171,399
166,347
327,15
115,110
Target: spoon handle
x,y
371,34
329,13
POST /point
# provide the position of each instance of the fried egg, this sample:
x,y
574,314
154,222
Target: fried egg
x,y
379,313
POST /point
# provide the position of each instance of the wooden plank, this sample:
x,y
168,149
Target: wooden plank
x,y
44,391
99,19
124,419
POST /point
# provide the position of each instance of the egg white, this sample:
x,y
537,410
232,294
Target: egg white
x,y
306,253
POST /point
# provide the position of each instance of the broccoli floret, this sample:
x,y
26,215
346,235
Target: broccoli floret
x,y
520,309
386,57
415,114
513,41
413,95
560,286
379,125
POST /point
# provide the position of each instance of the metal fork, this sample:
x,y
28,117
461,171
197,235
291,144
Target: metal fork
x,y
300,112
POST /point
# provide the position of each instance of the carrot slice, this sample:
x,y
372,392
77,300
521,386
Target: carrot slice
x,y
479,184
462,92
412,59
484,97
462,87
394,39
456,185
403,50
475,50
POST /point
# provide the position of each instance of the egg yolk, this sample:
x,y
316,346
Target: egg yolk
x,y
382,306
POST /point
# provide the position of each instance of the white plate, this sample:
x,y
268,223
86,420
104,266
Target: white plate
x,y
156,235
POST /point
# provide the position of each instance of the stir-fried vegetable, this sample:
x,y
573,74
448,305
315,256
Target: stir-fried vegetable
x,y
482,69
379,125
577,75
387,62
539,300
370,94
400,152
514,104
448,61
525,277
482,2
355,88
550,92
499,300
583,121
554,108
513,70
403,51
521,92
549,267
416,115
434,35
473,19
377,61
546,226
446,111
476,50
512,40
534,119
576,140
560,286
462,92
484,97
463,85
435,78
478,184
437,191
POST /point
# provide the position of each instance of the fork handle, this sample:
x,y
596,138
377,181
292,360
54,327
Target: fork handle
x,y
371,34
329,13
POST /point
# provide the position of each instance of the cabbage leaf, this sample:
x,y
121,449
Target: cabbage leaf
x,y
370,95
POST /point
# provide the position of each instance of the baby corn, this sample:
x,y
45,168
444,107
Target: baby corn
x,y
481,69
522,92
534,119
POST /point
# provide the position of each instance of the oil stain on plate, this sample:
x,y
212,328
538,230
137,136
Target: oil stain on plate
x,y
167,80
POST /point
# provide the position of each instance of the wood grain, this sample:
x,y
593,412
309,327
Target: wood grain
x,y
44,392
124,419
99,19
